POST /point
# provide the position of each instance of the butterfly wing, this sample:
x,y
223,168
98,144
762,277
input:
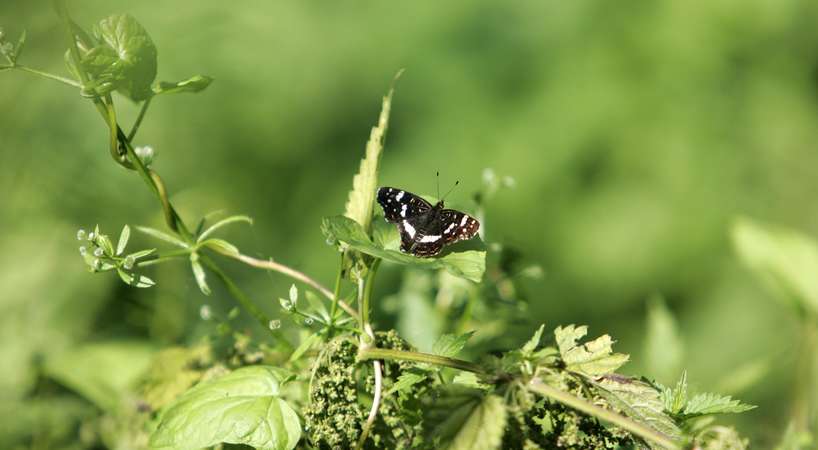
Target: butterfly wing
x,y
447,228
456,226
399,205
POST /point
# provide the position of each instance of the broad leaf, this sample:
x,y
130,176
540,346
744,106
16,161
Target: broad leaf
x,y
707,403
365,183
450,345
124,59
469,264
406,380
196,83
242,407
785,260
484,428
593,358
638,400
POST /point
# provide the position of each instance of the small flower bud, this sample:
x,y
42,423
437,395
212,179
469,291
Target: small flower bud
x,y
308,321
96,264
98,252
129,262
145,154
275,324
205,313
83,250
91,236
80,234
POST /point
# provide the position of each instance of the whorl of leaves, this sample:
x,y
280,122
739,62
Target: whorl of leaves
x,y
341,394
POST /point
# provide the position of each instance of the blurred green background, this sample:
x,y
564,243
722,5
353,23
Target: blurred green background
x,y
635,133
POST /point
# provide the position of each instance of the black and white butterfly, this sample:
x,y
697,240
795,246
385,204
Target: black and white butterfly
x,y
424,229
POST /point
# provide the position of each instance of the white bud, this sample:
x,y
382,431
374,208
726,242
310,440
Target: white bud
x,y
129,262
509,182
95,264
98,252
308,321
145,154
205,313
275,324
83,250
91,236
80,234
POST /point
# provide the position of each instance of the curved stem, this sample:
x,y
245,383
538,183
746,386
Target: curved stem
x,y
367,293
366,353
245,302
376,398
139,118
41,73
537,386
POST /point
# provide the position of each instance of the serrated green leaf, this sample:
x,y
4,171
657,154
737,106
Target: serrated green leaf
x,y
593,358
196,83
125,57
638,400
676,398
532,343
449,345
199,274
221,246
406,380
364,184
707,403
306,344
242,407
664,349
123,239
785,260
471,380
224,222
484,428
468,264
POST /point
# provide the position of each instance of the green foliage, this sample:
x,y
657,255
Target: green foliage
x,y
242,407
450,345
12,51
469,264
484,428
100,256
593,358
196,83
664,348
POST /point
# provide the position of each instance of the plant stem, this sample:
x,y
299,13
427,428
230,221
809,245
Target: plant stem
x,y
367,353
337,293
367,294
537,386
139,118
245,302
41,73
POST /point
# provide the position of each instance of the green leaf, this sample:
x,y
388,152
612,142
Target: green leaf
x,y
365,183
484,428
306,344
703,404
221,246
593,358
675,399
162,236
406,380
785,260
142,253
196,83
123,239
532,343
102,372
664,349
638,400
449,345
125,57
468,264
224,222
18,49
125,276
293,294
795,439
144,282
199,274
242,407
316,306
471,380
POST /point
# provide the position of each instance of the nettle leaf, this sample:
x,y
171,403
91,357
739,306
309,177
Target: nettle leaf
x,y
406,380
365,183
124,59
469,264
484,428
242,407
196,83
707,403
593,358
785,260
638,400
449,345
675,399
532,343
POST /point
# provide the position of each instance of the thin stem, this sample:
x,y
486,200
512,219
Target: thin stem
x,y
367,294
537,386
162,257
292,273
41,73
376,398
367,353
139,118
245,302
337,292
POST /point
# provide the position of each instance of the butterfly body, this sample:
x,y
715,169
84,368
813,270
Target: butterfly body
x,y
424,228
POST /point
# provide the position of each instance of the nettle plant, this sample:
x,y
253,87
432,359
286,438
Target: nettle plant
x,y
343,384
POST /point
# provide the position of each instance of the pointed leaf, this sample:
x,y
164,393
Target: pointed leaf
x,y
144,282
306,344
406,380
638,400
365,183
316,306
221,246
593,358
142,253
449,345
226,221
199,274
707,403
242,407
532,343
484,428
123,239
162,236
196,83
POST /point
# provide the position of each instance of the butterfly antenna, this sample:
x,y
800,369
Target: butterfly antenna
x,y
450,190
437,179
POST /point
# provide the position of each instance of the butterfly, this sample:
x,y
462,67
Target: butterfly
x,y
424,229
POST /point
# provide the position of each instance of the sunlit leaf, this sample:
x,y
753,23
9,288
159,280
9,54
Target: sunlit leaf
x,y
450,345
162,236
639,401
221,246
242,407
664,348
593,358
196,83
484,428
224,222
123,239
199,274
